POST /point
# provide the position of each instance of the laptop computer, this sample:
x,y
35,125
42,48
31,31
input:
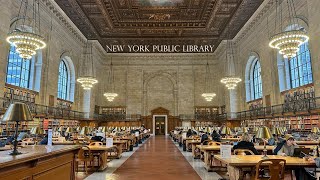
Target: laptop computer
x,y
301,152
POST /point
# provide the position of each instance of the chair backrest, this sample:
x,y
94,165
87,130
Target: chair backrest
x,y
212,143
96,144
275,166
84,153
242,152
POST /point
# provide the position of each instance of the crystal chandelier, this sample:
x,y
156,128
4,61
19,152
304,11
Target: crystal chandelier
x,y
110,94
26,37
87,79
287,42
208,95
230,80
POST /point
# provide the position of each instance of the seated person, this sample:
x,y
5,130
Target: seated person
x,y
204,139
44,141
97,138
22,136
246,143
216,136
288,146
189,133
274,140
9,140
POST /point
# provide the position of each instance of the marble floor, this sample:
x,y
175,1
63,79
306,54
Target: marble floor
x,y
113,165
157,158
198,166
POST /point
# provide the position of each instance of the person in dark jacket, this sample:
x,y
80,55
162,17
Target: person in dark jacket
x,y
97,138
215,136
189,133
44,141
246,143
204,139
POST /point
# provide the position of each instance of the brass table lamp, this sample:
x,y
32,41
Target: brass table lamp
x,y
276,131
264,133
17,112
226,130
84,131
315,130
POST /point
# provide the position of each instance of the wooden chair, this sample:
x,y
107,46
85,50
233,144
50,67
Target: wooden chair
x,y
85,156
213,143
242,152
96,143
275,167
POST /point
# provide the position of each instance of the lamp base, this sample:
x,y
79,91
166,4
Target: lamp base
x,y
264,157
13,153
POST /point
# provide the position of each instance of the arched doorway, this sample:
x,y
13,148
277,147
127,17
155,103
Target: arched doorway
x,y
160,121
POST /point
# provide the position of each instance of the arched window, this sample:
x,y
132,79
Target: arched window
x,y
24,73
66,79
18,70
253,78
300,67
63,81
296,71
257,83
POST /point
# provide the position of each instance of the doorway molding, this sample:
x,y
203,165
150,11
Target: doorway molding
x,y
165,122
159,112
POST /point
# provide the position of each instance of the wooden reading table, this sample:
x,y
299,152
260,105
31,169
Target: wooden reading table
x,y
39,162
237,162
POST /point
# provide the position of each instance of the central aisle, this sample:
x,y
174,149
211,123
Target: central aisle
x,y
158,158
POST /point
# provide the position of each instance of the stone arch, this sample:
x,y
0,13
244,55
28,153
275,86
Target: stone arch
x,y
148,78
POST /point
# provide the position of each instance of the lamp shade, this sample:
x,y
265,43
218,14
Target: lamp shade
x,y
276,131
84,130
17,112
244,129
36,130
315,129
60,129
69,130
263,133
226,130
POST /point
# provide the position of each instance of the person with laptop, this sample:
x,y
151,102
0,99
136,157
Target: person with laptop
x,y
288,146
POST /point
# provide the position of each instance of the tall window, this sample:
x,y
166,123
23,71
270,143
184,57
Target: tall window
x,y
257,82
18,70
63,81
300,67
253,79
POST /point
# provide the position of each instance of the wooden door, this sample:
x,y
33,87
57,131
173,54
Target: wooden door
x,y
160,125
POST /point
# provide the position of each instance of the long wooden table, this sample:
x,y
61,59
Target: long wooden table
x,y
38,162
210,165
236,163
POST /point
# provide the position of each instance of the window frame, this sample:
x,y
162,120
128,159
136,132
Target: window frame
x,y
256,80
24,67
63,84
300,62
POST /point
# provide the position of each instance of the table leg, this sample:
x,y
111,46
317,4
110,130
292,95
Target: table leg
x,y
103,160
235,173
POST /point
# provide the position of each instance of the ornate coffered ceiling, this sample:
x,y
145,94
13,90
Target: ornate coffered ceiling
x,y
155,22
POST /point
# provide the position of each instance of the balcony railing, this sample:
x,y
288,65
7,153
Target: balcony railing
x,y
45,111
295,107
